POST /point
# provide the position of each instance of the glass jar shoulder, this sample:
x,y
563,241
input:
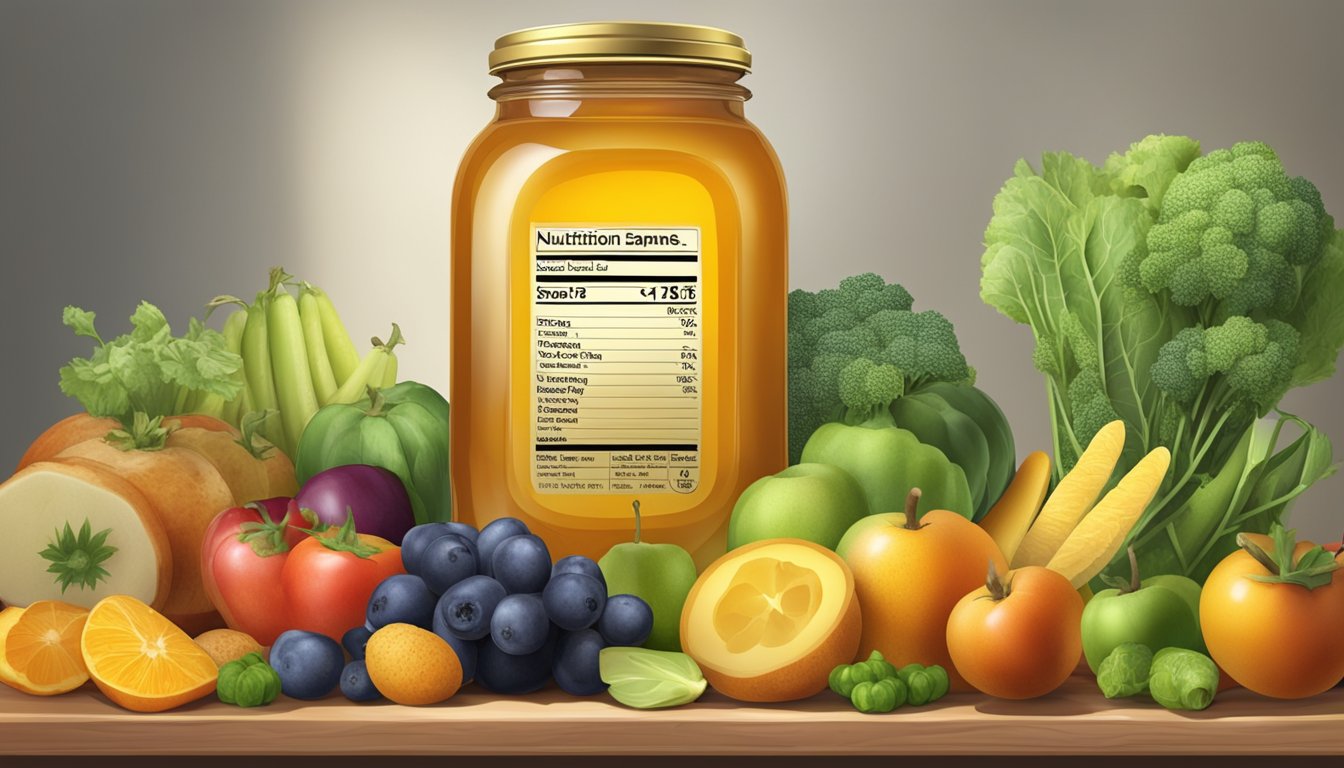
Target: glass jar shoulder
x,y
734,148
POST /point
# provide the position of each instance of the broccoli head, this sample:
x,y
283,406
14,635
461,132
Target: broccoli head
x,y
1256,362
864,319
1235,230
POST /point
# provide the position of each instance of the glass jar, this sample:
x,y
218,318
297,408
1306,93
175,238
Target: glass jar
x,y
618,298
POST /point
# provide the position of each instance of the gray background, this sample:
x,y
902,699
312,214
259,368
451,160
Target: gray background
x,y
176,150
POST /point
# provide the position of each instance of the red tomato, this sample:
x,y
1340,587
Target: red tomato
x,y
242,555
327,581
267,576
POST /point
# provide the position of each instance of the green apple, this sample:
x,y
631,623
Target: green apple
x,y
1159,612
659,574
816,502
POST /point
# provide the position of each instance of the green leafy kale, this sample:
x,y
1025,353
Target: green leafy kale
x,y
1183,294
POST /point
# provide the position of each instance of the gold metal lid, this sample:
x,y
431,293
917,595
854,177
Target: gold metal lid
x,y
620,42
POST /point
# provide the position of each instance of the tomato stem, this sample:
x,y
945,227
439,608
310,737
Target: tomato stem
x,y
998,587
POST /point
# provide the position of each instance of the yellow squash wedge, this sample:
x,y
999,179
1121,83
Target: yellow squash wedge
x,y
1073,497
1012,515
1099,536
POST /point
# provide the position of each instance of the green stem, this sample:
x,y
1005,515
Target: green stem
x,y
392,341
376,402
142,434
347,539
266,537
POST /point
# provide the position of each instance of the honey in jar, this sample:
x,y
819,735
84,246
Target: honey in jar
x,y
618,297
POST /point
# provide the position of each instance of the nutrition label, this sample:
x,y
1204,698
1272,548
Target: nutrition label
x,y
616,359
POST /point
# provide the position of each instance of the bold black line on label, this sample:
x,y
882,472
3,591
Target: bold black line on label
x,y
649,447
584,277
690,259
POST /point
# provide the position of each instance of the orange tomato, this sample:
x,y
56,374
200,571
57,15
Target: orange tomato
x,y
1020,638
908,579
1277,639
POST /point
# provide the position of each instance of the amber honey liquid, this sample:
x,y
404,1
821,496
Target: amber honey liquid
x,y
619,318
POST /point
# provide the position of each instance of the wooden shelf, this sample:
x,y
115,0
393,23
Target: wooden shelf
x,y
1074,720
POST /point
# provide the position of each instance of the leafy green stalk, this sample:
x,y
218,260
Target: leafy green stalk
x,y
1183,294
147,371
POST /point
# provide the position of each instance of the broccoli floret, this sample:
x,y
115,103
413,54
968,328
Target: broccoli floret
x,y
866,386
1255,359
1234,229
865,318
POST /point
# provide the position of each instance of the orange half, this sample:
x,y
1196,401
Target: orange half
x,y
39,648
141,660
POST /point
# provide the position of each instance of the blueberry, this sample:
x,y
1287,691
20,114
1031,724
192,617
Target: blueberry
x,y
627,620
446,561
579,564
463,530
519,626
414,542
354,641
355,682
574,601
309,664
575,666
522,564
465,649
403,599
499,672
490,537
467,606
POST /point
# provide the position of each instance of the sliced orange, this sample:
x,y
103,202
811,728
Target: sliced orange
x,y
141,660
39,648
769,621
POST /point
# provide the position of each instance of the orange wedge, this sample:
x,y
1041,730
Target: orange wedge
x,y
39,648
141,660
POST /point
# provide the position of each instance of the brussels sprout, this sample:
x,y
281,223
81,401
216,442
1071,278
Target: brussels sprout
x,y
1125,670
1183,679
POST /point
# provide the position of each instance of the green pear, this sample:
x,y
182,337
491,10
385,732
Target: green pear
x,y
816,502
659,574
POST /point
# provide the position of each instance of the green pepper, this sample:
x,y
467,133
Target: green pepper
x,y
248,682
941,682
887,462
862,673
920,682
875,698
842,680
898,690
880,667
403,429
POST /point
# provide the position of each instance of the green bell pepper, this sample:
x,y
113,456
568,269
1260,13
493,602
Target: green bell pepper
x,y
248,682
403,429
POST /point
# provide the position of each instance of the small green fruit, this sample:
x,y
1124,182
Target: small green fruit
x,y
660,574
1158,612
